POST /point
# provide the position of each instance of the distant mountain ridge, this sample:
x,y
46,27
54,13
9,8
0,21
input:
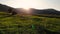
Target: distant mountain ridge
x,y
4,7
46,11
8,9
20,11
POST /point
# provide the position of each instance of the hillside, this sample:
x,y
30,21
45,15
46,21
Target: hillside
x,y
28,24
7,9
32,11
46,11
16,21
38,12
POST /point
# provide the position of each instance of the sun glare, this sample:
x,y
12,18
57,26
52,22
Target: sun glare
x,y
26,8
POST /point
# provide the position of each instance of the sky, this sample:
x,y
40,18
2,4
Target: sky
x,y
38,4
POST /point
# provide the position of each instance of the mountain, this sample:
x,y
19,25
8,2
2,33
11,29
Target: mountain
x,y
8,9
43,12
46,11
4,7
32,11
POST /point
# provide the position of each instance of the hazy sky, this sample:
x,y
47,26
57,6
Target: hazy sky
x,y
40,4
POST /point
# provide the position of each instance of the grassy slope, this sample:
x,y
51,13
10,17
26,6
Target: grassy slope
x,y
16,24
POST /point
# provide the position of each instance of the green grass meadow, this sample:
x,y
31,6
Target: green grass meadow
x,y
27,24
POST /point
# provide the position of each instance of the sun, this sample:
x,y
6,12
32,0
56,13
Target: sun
x,y
26,8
